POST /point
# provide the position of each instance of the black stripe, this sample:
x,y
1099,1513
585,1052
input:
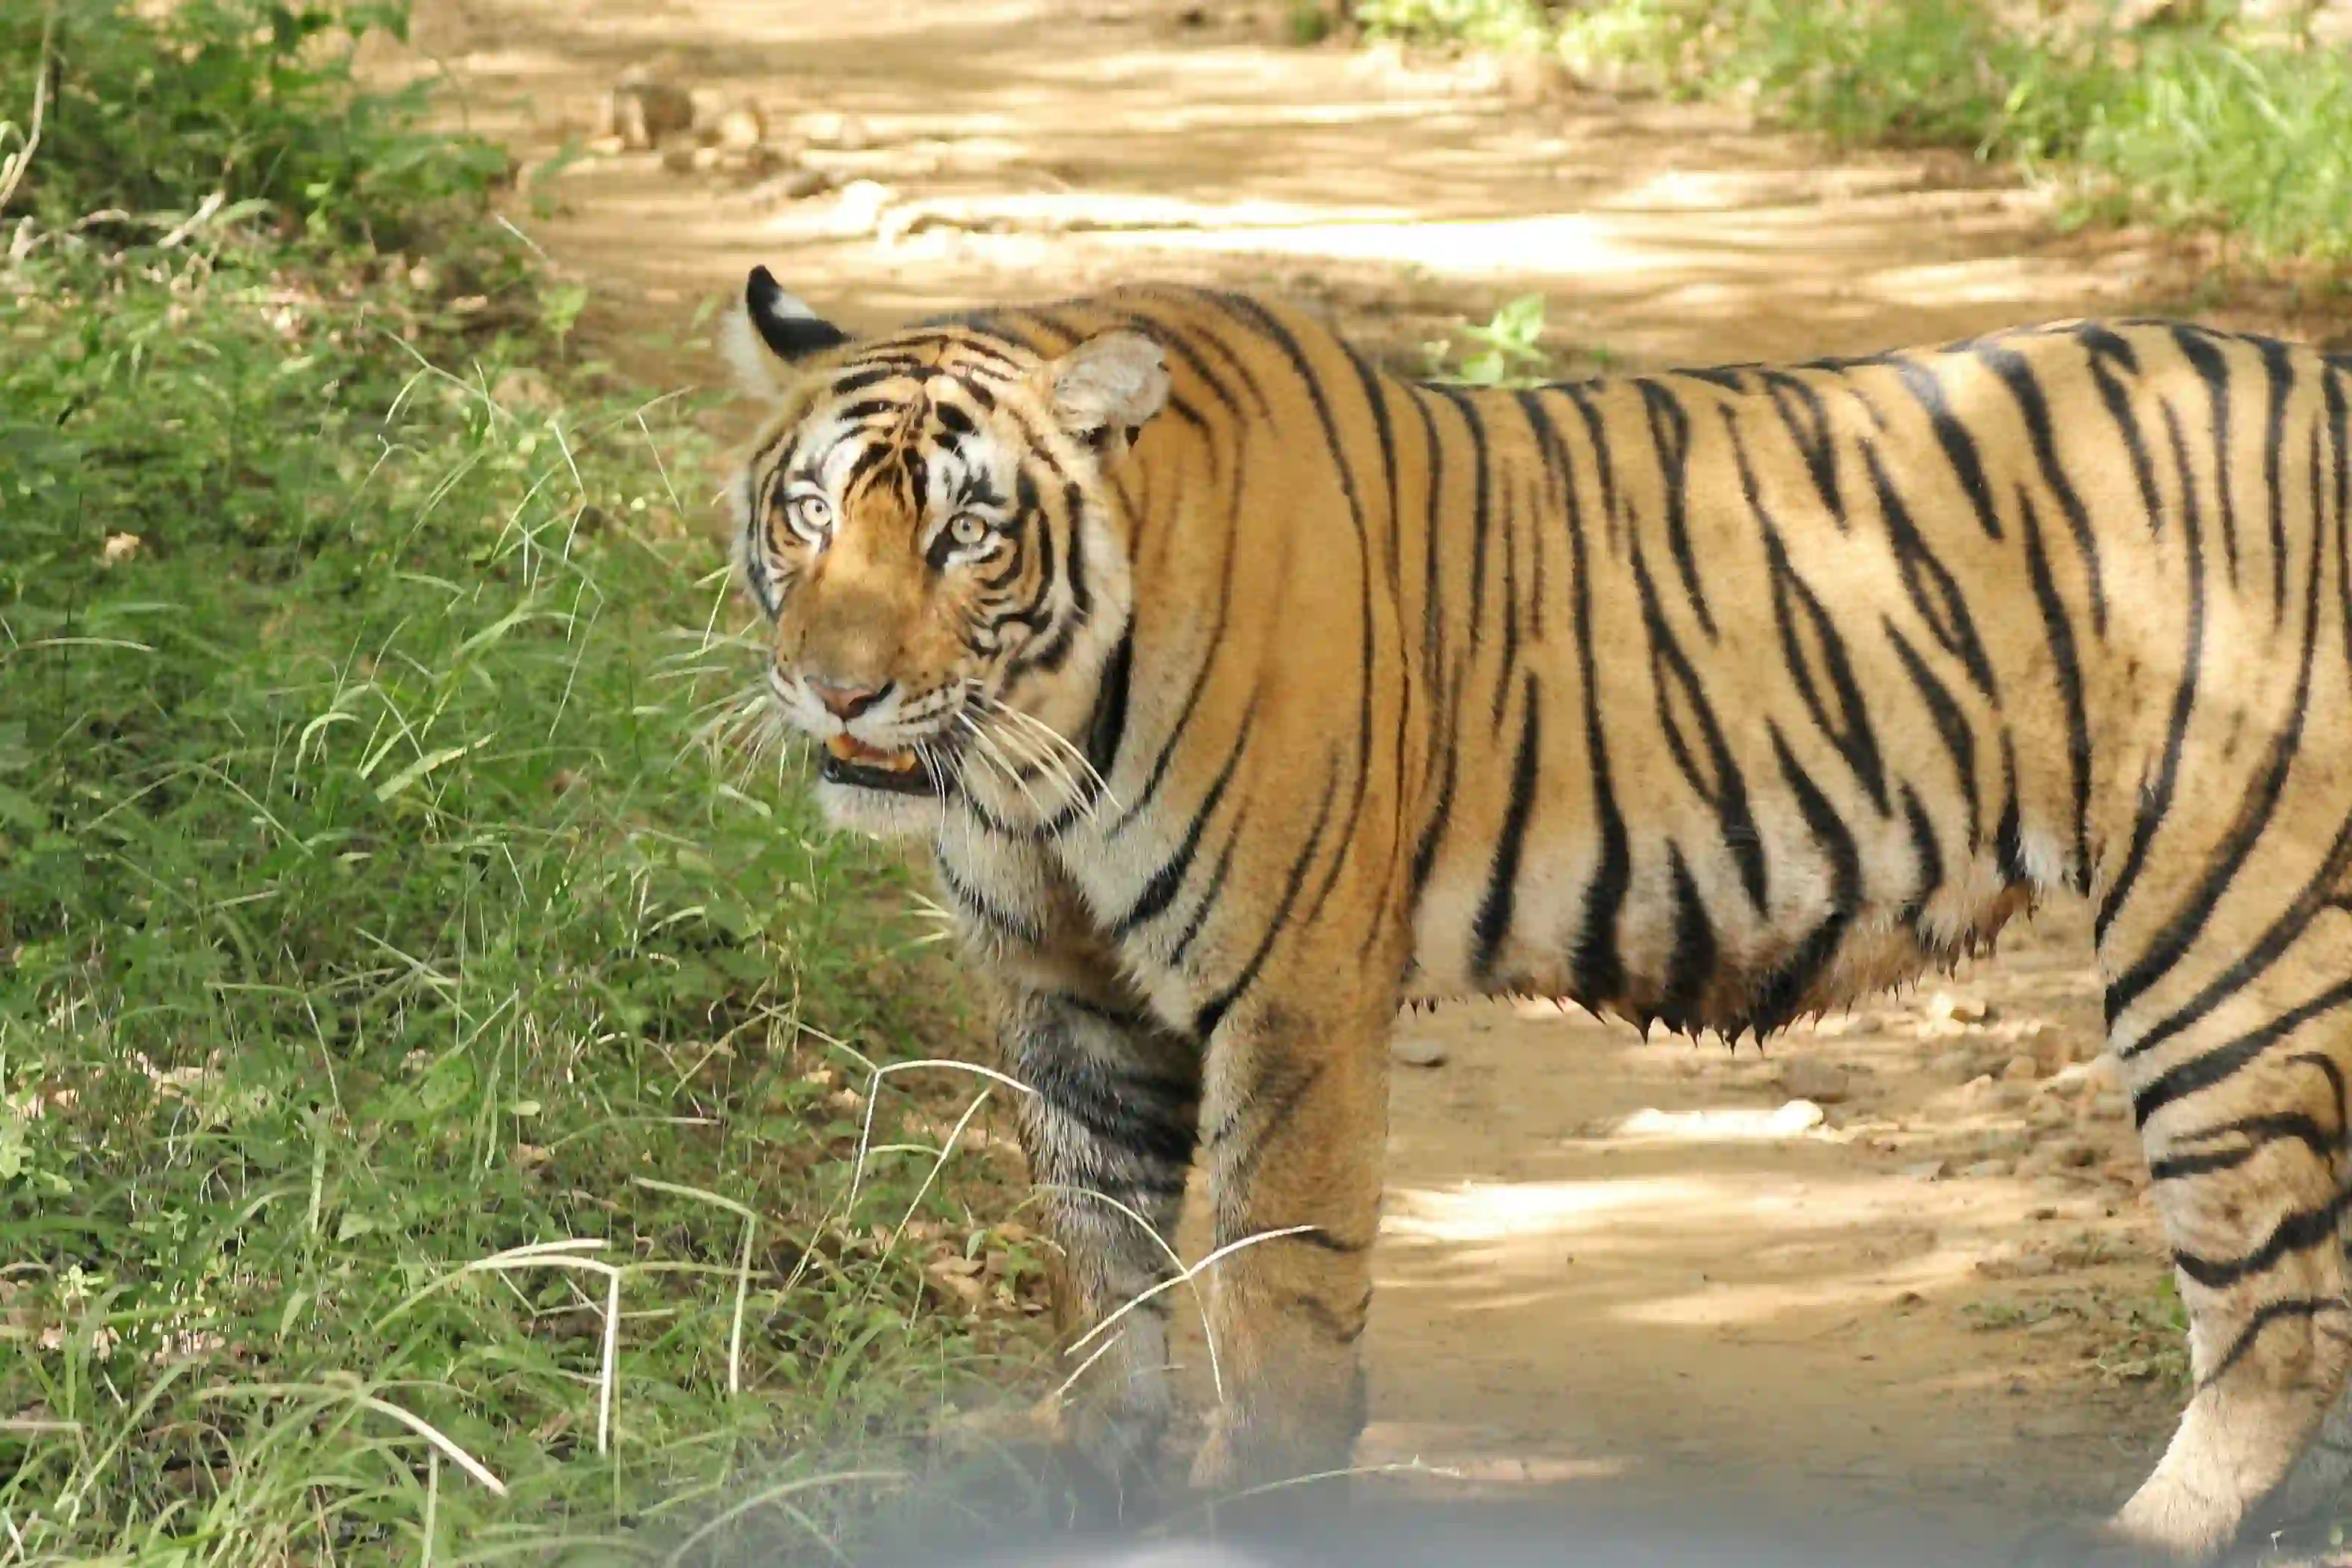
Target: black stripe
x,y
1213,1011
1440,749
1924,851
1776,1002
1161,887
2017,373
1108,731
2337,420
1433,830
2156,803
1494,911
1218,611
1597,438
2260,1132
2319,895
1952,434
2008,835
1149,1118
2213,371
1189,300
986,911
1935,593
1691,966
1596,970
1210,894
1481,498
1719,782
1806,419
2217,1064
2298,1232
2280,376
1267,322
2069,672
2103,347
1369,381
2294,1309
1840,714
1670,433
1952,725
2172,942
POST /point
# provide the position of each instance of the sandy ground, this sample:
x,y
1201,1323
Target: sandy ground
x,y
1898,1266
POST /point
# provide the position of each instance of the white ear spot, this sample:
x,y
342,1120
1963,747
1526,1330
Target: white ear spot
x,y
1115,381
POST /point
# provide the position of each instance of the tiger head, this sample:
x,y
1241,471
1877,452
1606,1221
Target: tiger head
x,y
927,528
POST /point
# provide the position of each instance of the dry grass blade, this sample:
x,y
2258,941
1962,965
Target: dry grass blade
x,y
20,162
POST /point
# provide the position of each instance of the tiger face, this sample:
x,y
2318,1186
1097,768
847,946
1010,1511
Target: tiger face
x,y
929,529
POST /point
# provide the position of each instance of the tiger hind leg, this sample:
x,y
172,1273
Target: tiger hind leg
x,y
2238,1088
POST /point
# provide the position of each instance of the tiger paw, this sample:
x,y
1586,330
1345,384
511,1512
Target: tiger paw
x,y
1259,1457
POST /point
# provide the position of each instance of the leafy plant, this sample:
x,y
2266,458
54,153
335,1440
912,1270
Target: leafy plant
x,y
2206,123
1509,352
151,111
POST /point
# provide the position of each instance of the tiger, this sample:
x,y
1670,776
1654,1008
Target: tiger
x,y
1245,691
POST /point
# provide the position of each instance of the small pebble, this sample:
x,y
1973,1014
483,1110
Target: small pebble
x,y
1417,1051
1823,1082
1944,1005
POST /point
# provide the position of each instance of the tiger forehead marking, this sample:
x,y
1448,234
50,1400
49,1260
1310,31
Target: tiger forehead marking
x,y
928,529
1712,698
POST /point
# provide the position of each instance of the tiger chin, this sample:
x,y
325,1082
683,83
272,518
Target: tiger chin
x,y
1245,691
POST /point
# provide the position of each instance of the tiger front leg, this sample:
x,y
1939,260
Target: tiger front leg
x,y
1108,1128
1296,1124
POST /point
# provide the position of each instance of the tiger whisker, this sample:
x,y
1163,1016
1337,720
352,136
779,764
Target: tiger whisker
x,y
1026,749
1056,745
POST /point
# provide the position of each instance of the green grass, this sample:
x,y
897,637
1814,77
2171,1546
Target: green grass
x,y
398,971
2201,126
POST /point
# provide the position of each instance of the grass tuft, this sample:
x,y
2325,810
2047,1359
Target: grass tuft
x,y
2207,124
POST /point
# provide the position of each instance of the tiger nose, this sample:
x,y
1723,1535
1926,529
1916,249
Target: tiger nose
x,y
846,702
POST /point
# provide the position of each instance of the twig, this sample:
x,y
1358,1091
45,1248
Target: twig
x,y
23,161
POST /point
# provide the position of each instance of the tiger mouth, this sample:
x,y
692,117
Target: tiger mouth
x,y
849,761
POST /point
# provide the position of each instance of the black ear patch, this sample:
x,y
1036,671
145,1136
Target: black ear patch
x,y
788,329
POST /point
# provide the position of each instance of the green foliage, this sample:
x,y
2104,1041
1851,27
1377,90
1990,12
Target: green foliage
x,y
2200,124
153,108
1308,23
1495,23
1508,353
366,913
1506,349
391,986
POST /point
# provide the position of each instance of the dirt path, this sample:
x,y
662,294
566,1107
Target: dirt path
x,y
1930,1287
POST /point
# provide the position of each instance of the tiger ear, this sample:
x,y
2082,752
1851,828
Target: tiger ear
x,y
1108,388
772,329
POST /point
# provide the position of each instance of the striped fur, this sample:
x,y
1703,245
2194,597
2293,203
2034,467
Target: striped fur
x,y
1712,698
